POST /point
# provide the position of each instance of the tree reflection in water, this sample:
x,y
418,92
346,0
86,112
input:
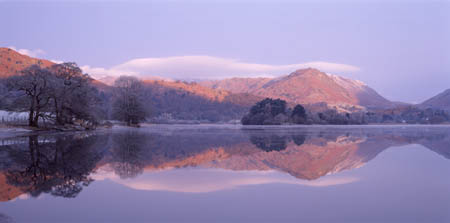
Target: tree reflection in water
x,y
129,153
269,143
273,142
5,219
58,165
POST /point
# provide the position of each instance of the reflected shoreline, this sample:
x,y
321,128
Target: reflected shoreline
x,y
63,164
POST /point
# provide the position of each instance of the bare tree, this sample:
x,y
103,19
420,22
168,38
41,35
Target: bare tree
x,y
32,90
128,152
61,93
128,102
60,165
73,96
67,80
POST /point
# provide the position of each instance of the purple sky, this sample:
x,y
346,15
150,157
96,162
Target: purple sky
x,y
401,49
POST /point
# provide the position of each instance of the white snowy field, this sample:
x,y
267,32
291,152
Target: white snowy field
x,y
11,118
5,115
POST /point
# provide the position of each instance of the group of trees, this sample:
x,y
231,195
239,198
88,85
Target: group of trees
x,y
410,115
59,165
274,112
62,94
399,115
273,142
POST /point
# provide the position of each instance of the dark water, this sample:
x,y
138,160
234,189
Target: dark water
x,y
228,174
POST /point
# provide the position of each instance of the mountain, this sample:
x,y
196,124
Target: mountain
x,y
306,86
12,62
230,99
440,101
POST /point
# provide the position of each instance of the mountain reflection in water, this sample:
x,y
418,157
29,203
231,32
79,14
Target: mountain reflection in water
x,y
197,159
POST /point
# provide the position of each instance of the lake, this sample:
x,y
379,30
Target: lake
x,y
228,173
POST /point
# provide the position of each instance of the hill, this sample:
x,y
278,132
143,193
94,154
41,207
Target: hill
x,y
191,101
440,101
12,62
306,86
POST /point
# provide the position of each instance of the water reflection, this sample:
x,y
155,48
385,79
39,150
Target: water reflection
x,y
204,180
59,165
269,143
128,153
5,218
198,160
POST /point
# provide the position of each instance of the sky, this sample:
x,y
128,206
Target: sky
x,y
399,48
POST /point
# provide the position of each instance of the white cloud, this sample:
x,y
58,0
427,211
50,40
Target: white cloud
x,y
30,53
208,67
99,72
57,61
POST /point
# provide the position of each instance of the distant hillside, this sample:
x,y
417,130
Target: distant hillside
x,y
191,101
12,62
237,85
306,86
440,101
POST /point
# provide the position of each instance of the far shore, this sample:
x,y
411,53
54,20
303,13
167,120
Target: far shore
x,y
9,131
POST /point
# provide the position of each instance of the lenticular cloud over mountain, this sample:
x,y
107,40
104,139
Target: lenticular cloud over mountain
x,y
208,67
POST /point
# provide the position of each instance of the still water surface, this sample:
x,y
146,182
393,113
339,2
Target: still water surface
x,y
171,173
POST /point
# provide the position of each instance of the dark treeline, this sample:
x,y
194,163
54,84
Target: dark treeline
x,y
276,112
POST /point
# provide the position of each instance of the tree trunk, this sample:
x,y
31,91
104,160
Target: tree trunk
x,y
57,114
31,114
30,117
36,119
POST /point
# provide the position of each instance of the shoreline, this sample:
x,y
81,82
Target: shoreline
x,y
7,131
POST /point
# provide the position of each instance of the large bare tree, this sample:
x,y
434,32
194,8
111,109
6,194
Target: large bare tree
x,y
32,90
129,102
73,96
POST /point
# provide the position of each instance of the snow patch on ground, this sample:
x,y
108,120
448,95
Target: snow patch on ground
x,y
7,130
10,115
